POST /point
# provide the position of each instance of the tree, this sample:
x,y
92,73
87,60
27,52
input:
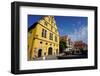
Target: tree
x,y
62,46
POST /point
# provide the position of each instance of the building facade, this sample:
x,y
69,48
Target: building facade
x,y
80,45
67,40
43,38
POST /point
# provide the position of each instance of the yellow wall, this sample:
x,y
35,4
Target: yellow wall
x,y
36,37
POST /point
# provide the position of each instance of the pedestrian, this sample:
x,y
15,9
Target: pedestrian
x,y
44,57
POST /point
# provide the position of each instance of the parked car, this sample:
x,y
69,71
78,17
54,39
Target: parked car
x,y
68,51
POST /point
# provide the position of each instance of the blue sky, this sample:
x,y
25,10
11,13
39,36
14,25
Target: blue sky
x,y
73,26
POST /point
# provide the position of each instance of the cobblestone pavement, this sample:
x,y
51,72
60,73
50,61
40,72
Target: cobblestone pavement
x,y
61,56
50,57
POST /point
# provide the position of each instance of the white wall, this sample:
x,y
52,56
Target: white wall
x,y
5,41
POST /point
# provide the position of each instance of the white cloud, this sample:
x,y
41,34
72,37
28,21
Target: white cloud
x,y
60,30
80,34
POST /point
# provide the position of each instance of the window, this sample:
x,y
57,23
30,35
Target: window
x,y
45,53
41,42
52,22
56,39
51,36
45,23
44,33
68,41
46,43
51,28
50,44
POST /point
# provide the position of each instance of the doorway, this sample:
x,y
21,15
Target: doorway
x,y
39,52
50,51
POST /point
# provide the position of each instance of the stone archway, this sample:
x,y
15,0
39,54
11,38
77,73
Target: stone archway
x,y
39,52
50,51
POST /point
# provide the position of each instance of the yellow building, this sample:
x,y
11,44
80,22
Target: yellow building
x,y
43,38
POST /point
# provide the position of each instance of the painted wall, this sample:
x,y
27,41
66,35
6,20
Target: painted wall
x,y
35,37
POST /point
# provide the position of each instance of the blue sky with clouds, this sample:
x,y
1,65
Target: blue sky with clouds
x,y
73,26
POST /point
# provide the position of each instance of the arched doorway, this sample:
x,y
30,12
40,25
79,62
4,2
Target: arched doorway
x,y
39,52
50,51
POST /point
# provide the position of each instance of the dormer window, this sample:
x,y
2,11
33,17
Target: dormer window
x,y
45,23
51,36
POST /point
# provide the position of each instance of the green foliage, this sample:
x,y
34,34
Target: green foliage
x,y
63,44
